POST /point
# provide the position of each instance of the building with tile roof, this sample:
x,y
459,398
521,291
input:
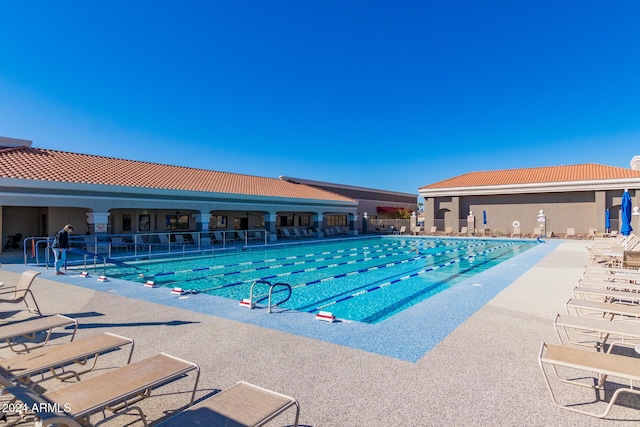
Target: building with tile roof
x,y
373,202
570,196
43,189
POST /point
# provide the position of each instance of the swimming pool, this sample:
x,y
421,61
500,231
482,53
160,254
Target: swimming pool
x,y
365,280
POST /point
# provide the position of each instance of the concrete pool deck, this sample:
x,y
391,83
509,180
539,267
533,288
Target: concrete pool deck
x,y
483,371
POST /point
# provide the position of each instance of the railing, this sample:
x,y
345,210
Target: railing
x,y
137,246
271,287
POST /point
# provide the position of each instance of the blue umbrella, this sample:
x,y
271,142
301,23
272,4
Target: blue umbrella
x,y
626,229
607,221
484,217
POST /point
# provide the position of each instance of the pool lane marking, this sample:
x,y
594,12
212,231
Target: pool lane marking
x,y
275,266
391,264
371,248
405,277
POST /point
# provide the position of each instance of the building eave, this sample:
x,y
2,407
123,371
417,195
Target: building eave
x,y
552,187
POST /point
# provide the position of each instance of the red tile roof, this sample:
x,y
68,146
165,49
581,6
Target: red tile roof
x,y
550,174
59,166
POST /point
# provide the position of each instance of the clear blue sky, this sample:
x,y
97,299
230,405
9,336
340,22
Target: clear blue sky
x,y
383,94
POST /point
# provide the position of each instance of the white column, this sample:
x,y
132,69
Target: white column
x,y
98,222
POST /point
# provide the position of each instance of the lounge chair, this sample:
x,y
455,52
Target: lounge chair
x,y
165,239
594,332
242,404
571,233
285,233
606,295
118,243
516,232
297,233
179,238
403,229
18,293
58,358
448,231
463,231
433,230
93,245
30,328
603,309
604,365
631,259
218,237
231,236
115,391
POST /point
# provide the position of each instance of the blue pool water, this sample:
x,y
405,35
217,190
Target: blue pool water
x,y
365,280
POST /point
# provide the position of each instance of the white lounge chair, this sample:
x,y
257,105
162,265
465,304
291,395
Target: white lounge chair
x,y
576,363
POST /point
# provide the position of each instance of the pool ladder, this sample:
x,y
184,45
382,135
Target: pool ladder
x,y
251,303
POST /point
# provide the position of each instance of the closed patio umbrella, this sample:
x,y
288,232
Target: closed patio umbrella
x,y
607,221
484,218
625,209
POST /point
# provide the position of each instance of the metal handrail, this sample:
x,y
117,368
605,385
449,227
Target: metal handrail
x,y
271,286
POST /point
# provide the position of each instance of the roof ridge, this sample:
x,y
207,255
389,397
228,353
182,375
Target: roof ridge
x,y
147,162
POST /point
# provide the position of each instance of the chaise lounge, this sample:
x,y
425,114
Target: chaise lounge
x,y
18,293
29,329
241,405
559,359
57,359
116,391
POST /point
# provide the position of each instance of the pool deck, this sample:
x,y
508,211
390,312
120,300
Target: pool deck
x,y
430,366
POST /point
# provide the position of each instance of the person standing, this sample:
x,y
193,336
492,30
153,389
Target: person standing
x,y
61,246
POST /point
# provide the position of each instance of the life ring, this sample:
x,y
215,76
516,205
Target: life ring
x,y
516,224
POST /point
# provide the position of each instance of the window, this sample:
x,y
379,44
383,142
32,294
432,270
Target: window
x,y
336,220
126,222
218,221
305,221
176,222
285,221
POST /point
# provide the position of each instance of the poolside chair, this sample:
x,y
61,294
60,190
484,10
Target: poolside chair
x,y
516,232
464,231
631,259
448,230
113,391
433,230
296,233
285,233
218,237
118,243
16,333
139,241
571,233
18,293
58,359
165,239
575,363
242,404
179,238
93,245
603,309
403,229
595,332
